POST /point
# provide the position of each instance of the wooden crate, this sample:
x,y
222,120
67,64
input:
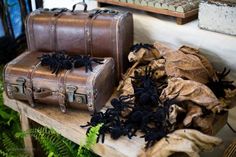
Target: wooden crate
x,y
153,6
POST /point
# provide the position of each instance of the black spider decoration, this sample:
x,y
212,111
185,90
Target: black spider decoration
x,y
59,61
56,61
86,61
148,114
97,118
153,135
138,46
145,89
119,105
218,86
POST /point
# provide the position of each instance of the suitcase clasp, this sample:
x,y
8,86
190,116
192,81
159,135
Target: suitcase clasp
x,y
17,88
70,90
72,96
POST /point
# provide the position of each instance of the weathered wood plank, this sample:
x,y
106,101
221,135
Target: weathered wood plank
x,y
68,125
25,125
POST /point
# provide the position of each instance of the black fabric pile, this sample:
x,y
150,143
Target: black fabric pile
x,y
218,86
59,61
148,114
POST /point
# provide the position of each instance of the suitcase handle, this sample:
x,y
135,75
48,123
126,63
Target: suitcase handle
x,y
58,11
80,3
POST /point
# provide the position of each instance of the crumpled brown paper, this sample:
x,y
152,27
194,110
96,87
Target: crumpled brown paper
x,y
193,111
188,90
187,141
186,63
143,55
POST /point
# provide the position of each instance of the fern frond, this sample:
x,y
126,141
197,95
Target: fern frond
x,y
8,144
52,143
3,154
91,140
71,147
11,149
92,136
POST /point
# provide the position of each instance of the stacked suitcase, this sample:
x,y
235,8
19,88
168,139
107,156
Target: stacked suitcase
x,y
106,34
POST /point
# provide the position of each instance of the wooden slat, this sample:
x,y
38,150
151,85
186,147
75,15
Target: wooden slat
x,y
151,9
27,140
68,125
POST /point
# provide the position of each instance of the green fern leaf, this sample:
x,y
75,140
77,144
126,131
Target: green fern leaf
x,y
3,154
92,136
8,144
53,144
91,139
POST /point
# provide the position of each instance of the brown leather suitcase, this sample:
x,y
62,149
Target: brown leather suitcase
x,y
26,79
99,33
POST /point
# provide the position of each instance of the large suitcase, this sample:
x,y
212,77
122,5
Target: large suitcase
x,y
99,33
26,79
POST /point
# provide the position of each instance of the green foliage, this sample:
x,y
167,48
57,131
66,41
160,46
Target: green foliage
x,y
84,150
9,126
55,145
12,149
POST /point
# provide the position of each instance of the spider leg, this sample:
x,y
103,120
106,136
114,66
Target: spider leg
x,y
134,132
103,137
58,69
98,138
55,67
86,125
90,66
88,130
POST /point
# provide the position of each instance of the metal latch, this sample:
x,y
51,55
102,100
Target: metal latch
x,y
72,96
81,98
70,90
19,86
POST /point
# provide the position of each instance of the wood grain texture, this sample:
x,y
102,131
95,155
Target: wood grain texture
x,y
25,125
149,9
68,125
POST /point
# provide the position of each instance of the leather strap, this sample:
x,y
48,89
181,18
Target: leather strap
x,y
29,85
30,32
53,30
116,54
88,34
42,93
62,99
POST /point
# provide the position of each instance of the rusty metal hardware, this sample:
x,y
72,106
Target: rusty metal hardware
x,y
72,96
19,87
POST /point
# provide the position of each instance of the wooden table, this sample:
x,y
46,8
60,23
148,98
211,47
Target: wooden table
x,y
68,125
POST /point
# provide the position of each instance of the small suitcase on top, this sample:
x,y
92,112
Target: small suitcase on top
x,y
99,33
26,79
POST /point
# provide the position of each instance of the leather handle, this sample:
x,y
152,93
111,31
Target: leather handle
x,y
58,11
80,3
42,93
